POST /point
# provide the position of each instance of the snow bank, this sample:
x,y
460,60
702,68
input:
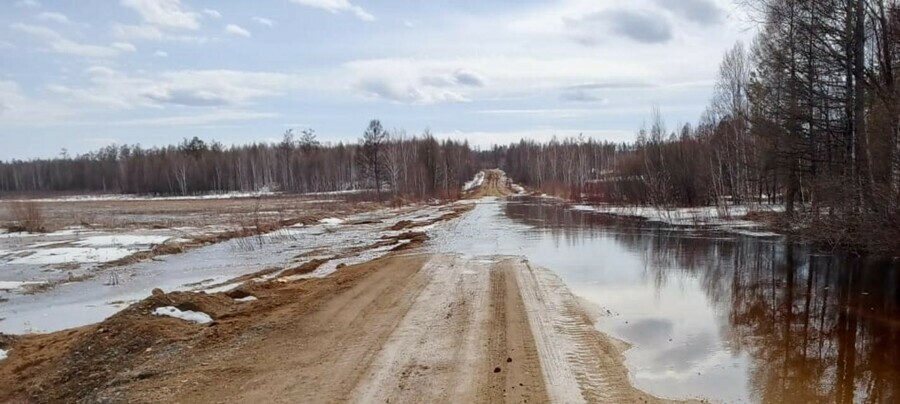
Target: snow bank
x,y
192,316
122,240
730,218
518,189
333,221
75,231
64,255
134,197
2,354
344,192
475,183
13,285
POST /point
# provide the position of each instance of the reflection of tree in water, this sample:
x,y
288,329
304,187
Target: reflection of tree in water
x,y
820,328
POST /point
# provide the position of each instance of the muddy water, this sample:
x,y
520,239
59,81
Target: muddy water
x,y
717,316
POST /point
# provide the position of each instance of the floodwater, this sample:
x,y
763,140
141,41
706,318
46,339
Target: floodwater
x,y
716,316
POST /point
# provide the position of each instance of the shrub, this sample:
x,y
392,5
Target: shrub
x,y
28,216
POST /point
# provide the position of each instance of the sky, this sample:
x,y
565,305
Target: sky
x,y
82,75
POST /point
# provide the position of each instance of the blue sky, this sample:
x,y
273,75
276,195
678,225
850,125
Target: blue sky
x,y
81,75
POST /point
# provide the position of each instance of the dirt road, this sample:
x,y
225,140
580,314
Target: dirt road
x,y
415,328
409,327
493,185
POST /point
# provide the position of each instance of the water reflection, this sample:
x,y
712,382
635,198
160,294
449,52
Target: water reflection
x,y
731,318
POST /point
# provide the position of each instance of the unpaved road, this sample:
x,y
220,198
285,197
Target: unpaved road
x,y
493,185
424,328
410,327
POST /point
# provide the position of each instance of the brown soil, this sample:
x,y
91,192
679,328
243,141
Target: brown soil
x,y
305,268
402,225
492,186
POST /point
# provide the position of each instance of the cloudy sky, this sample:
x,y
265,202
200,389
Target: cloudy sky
x,y
81,75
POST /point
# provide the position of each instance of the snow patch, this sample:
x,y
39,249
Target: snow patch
x,y
52,256
475,183
332,221
122,240
14,285
133,197
246,299
344,192
722,218
192,316
2,355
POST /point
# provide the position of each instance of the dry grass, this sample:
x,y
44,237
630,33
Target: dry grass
x,y
27,216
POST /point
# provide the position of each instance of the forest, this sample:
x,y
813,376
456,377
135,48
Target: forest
x,y
807,115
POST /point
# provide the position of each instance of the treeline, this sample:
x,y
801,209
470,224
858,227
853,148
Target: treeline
x,y
560,167
807,116
381,162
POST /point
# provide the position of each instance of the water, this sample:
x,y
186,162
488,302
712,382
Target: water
x,y
723,317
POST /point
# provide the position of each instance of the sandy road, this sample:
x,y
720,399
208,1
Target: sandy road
x,y
492,186
445,328
410,328
426,328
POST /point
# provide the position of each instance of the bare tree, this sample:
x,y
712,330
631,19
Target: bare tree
x,y
372,154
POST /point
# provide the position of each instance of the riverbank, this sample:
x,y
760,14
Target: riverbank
x,y
756,220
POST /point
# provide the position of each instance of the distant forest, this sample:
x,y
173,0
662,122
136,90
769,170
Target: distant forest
x,y
807,115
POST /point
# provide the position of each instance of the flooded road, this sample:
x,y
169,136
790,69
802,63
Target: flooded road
x,y
716,316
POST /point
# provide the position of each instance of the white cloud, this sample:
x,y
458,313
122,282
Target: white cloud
x,y
28,3
413,81
62,45
18,110
164,13
124,46
427,81
212,13
553,113
152,33
469,78
161,54
226,115
407,93
187,88
137,32
237,30
53,17
264,21
337,6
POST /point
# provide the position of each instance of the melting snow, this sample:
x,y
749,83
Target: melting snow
x,y
332,221
122,240
246,299
72,254
133,197
722,218
13,285
192,316
2,354
475,183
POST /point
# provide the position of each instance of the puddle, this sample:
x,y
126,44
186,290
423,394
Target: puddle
x,y
719,316
78,303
